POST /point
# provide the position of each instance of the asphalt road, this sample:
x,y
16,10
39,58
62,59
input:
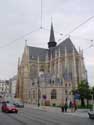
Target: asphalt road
x,y
29,116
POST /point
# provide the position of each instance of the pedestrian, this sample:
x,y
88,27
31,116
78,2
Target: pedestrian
x,y
75,105
70,105
62,108
65,106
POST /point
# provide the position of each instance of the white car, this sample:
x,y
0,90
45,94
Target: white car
x,y
91,114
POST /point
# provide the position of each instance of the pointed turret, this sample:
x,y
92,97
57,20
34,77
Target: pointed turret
x,y
52,42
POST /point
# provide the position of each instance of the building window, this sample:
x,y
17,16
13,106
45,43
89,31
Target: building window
x,y
53,81
50,81
53,94
33,83
70,93
33,94
69,84
66,92
66,84
42,68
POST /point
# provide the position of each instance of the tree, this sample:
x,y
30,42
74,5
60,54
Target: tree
x,y
84,91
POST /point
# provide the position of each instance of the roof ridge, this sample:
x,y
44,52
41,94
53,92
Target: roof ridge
x,y
37,47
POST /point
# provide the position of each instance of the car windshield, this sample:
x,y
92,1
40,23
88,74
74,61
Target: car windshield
x,y
10,105
19,102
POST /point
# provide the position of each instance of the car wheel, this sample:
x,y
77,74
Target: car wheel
x,y
16,112
6,111
89,116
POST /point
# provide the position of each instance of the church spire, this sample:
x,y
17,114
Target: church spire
x,y
52,38
52,42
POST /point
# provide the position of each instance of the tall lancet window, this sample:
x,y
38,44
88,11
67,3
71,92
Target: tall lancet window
x,y
53,94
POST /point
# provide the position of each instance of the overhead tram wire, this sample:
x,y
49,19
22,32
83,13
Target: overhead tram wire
x,y
82,38
13,41
41,15
90,46
80,25
8,44
77,27
61,34
86,39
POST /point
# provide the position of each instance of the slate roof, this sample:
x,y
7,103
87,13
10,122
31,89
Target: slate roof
x,y
34,52
66,43
69,46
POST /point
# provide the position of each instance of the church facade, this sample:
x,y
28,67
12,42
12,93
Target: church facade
x,y
48,76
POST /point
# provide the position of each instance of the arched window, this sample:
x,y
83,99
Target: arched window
x,y
53,94
66,92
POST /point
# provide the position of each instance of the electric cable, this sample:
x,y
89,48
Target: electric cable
x,y
13,41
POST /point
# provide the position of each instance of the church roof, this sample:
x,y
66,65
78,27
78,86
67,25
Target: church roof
x,y
69,46
35,52
67,43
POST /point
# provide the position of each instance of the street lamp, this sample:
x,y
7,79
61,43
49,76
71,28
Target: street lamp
x,y
38,93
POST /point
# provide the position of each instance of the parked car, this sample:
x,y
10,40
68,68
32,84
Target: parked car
x,y
91,114
8,107
19,104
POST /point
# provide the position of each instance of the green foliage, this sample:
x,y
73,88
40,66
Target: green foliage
x,y
92,92
54,104
90,106
84,90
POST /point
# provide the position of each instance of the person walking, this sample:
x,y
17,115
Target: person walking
x,y
75,105
62,108
70,105
65,107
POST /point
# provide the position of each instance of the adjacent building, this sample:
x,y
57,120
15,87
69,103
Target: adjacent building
x,y
4,89
13,83
48,76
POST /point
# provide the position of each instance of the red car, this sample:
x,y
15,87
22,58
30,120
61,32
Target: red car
x,y
8,107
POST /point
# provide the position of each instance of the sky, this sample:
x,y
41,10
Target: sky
x,y
21,17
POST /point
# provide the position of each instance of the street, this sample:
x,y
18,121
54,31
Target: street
x,y
30,116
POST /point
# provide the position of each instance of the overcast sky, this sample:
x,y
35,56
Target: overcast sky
x,y
19,17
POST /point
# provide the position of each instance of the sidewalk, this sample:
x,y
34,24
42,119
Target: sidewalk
x,y
44,108
80,112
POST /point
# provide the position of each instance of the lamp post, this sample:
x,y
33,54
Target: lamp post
x,y
38,93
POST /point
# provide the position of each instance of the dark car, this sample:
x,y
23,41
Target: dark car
x,y
8,107
19,104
